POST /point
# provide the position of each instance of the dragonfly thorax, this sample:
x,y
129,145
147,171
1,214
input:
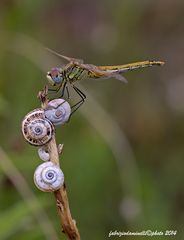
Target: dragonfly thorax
x,y
55,76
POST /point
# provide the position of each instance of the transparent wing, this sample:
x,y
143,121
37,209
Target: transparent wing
x,y
99,74
119,77
69,59
115,75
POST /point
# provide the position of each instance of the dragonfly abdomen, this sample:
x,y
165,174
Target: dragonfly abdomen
x,y
131,66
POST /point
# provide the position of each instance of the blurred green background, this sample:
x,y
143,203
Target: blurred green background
x,y
123,154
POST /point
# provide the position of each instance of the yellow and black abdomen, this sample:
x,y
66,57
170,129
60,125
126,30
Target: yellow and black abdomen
x,y
131,66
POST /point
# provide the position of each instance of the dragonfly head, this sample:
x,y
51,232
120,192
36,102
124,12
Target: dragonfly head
x,y
55,76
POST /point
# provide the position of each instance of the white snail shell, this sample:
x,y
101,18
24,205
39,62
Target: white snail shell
x,y
43,153
48,177
36,129
58,111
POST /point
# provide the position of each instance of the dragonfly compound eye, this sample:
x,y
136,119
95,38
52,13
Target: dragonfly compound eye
x,y
57,79
54,76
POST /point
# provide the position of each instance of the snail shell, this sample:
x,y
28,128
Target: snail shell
x,y
58,111
48,177
43,153
36,129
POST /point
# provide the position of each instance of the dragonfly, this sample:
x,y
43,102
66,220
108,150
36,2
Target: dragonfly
x,y
76,70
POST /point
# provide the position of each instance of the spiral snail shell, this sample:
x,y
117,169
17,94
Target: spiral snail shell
x,y
48,177
43,153
58,111
36,129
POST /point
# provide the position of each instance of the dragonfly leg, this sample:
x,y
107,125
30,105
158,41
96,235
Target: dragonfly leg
x,y
67,91
54,90
78,104
65,87
63,90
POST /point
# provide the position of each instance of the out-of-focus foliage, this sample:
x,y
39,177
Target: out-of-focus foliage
x,y
123,174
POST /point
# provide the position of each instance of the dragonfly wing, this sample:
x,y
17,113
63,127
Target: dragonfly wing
x,y
119,77
69,59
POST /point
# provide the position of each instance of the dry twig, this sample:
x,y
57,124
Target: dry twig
x,y
68,224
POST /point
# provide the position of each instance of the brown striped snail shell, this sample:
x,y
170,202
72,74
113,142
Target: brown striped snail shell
x,y
36,129
48,177
58,111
